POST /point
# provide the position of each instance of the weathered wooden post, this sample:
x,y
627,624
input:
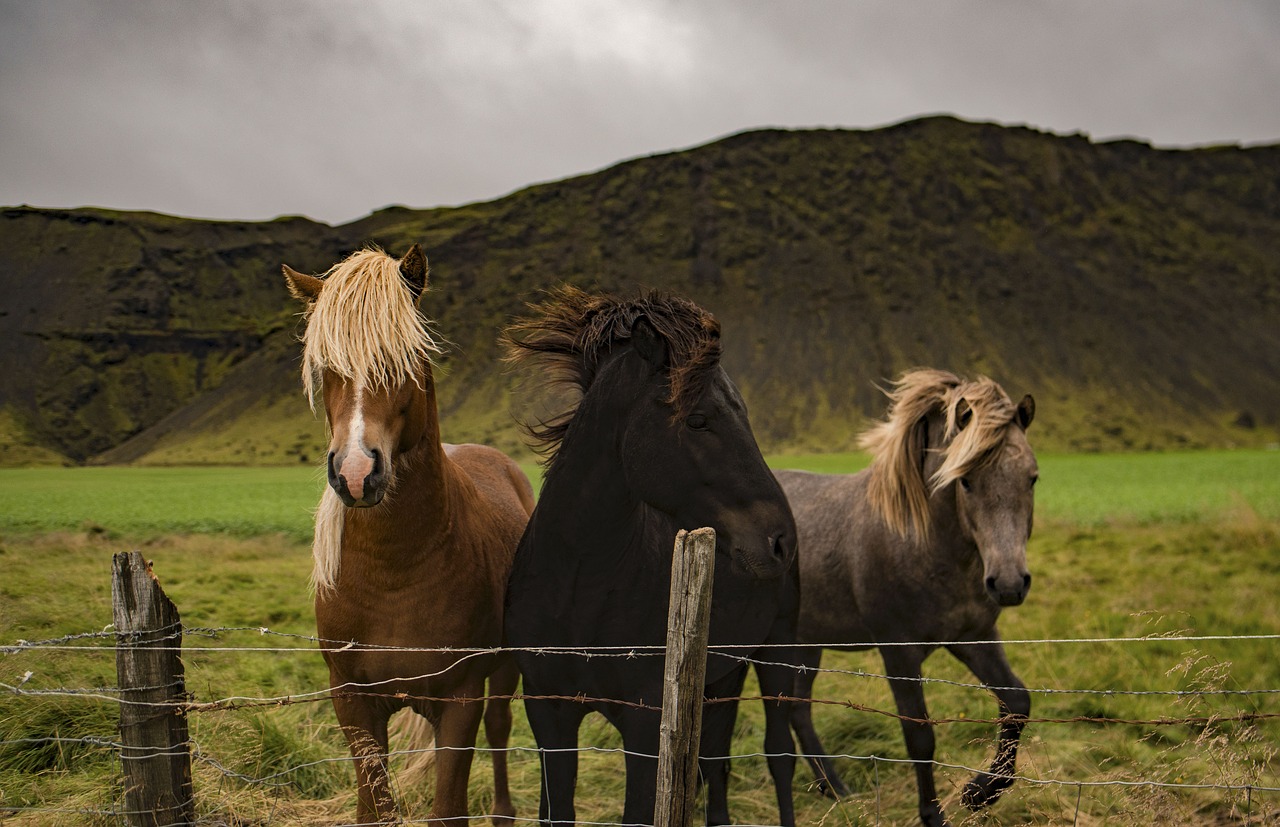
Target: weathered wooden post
x,y
688,618
154,751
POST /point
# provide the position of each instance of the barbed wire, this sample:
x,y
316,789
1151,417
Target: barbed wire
x,y
354,687
280,778
241,703
330,645
270,779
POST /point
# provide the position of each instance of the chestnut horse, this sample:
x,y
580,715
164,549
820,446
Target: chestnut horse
x,y
658,441
920,551
413,540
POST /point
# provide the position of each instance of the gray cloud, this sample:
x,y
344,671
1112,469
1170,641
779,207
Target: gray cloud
x,y
264,107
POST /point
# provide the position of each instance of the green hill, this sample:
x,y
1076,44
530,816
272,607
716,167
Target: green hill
x,y
1134,291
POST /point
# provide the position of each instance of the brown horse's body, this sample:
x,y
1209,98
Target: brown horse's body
x,y
414,542
428,573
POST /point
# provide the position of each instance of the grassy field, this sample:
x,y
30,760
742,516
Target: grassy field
x,y
1125,546
1075,489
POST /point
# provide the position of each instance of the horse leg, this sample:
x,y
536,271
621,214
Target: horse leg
x,y
902,664
713,763
455,748
824,770
778,747
364,723
639,728
989,664
555,729
497,732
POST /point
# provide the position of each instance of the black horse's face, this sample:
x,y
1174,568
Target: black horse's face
x,y
705,469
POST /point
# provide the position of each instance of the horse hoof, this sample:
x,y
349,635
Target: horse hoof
x,y
835,790
983,791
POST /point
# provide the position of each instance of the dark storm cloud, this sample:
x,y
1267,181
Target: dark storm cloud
x,y
253,109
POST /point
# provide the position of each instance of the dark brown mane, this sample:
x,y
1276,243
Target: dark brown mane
x,y
570,333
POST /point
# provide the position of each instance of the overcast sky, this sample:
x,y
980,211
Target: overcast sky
x,y
258,108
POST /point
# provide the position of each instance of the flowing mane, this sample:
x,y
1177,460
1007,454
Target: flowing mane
x,y
571,332
365,325
977,416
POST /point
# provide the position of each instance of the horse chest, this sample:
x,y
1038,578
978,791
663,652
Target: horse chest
x,y
417,615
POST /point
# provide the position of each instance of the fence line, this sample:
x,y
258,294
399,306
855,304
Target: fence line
x,y
269,780
236,703
638,650
121,642
324,694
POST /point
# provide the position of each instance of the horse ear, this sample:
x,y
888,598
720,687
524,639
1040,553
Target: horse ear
x,y
1026,411
301,286
964,414
648,343
413,269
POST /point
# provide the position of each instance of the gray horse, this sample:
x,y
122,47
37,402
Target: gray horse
x,y
923,548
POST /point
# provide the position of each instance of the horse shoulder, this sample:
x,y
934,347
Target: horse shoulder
x,y
495,485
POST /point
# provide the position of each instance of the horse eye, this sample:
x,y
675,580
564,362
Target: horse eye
x,y
697,422
965,484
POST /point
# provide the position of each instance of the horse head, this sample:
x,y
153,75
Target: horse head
x,y
369,348
653,390
695,458
950,445
995,504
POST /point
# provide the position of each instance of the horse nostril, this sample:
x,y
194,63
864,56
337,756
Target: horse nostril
x,y
991,584
1026,583
333,475
377,463
779,550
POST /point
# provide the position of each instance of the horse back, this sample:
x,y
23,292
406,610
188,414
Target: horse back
x,y
834,548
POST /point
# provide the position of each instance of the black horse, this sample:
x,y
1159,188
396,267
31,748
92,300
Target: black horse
x,y
658,441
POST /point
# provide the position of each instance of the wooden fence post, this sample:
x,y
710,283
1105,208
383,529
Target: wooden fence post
x,y
688,618
154,752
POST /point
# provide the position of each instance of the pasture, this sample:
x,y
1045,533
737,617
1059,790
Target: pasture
x,y
1127,549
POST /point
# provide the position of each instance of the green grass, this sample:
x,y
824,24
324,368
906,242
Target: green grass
x,y
1088,489
148,502
1092,489
1125,546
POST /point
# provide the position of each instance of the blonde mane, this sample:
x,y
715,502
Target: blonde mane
x,y
365,325
977,415
326,547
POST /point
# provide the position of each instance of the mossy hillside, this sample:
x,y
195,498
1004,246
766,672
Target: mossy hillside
x,y
1134,291
1050,263
18,447
116,319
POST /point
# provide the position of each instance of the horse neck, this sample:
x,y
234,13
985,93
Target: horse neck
x,y
586,490
419,509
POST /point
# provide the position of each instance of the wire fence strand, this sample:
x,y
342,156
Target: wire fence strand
x,y
107,641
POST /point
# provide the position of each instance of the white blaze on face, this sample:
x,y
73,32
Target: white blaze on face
x,y
356,462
